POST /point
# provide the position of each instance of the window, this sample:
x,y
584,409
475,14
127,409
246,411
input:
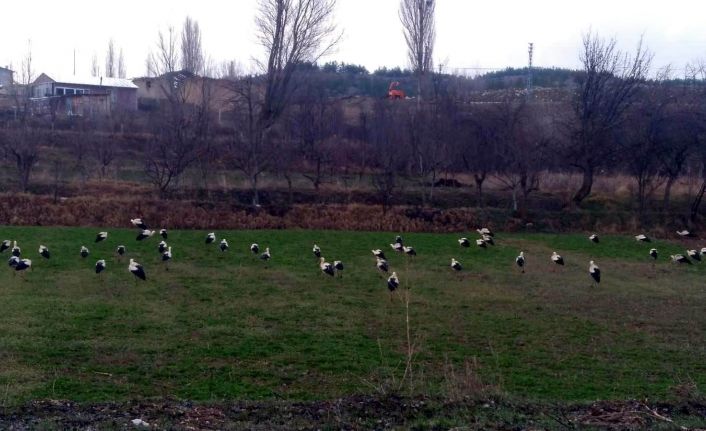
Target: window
x,y
70,91
59,91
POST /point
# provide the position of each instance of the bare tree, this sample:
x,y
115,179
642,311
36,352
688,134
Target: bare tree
x,y
95,68
192,58
609,86
292,32
21,92
166,59
110,60
419,27
122,72
21,146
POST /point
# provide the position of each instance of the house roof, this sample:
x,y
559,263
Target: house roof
x,y
5,68
96,81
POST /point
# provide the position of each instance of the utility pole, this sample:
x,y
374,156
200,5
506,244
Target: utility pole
x,y
530,51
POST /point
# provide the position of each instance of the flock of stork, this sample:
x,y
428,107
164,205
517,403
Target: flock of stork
x,y
19,264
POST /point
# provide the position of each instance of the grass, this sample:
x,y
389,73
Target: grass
x,y
224,326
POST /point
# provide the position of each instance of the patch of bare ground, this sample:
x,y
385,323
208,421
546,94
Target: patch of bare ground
x,y
357,412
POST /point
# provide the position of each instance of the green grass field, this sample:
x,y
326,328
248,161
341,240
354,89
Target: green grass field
x,y
220,326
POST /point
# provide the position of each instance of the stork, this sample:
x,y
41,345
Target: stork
x,y
694,255
120,250
557,259
162,247
480,243
485,231
101,236
680,258
223,245
84,251
16,251
488,239
595,272
464,242
44,252
100,266
144,234
594,238
138,223
210,238
166,257
266,256
378,253
338,266
5,245
653,253
456,265
326,267
520,261
163,233
316,250
392,283
685,234
382,265
254,248
137,270
409,250
12,261
397,246
642,238
23,265
398,240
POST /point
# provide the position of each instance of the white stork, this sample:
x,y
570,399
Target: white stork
x,y
397,246
464,242
210,238
480,243
162,247
138,223
166,257
266,256
338,266
12,261
557,259
23,265
120,250
680,258
144,234
485,231
694,255
653,253
84,251
378,253
326,267
16,251
44,252
101,236
223,245
254,248
382,265
398,240
685,234
520,261
100,266
642,238
456,265
393,283
5,245
595,272
409,250
163,233
594,238
316,250
137,270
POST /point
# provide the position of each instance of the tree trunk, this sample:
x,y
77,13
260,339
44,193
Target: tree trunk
x,y
290,192
255,192
586,185
668,193
697,201
479,187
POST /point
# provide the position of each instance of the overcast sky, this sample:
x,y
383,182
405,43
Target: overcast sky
x,y
470,33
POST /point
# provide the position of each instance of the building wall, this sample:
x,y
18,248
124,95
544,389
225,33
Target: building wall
x,y
5,77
